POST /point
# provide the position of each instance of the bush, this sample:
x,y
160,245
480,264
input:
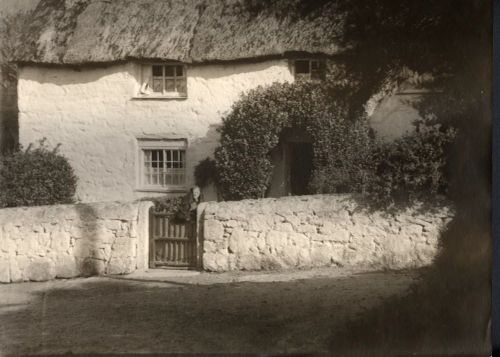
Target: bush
x,y
341,140
205,172
171,206
413,166
36,177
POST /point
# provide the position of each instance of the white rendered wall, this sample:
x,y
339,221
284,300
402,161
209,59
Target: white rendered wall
x,y
92,113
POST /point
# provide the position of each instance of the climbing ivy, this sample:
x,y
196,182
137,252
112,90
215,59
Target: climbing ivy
x,y
342,142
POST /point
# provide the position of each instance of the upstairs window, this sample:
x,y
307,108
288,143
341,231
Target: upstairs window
x,y
164,80
162,164
309,69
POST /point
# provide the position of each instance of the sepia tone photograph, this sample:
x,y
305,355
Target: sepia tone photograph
x,y
258,177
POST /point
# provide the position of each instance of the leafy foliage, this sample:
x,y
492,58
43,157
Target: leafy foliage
x,y
36,177
412,167
253,127
169,205
205,172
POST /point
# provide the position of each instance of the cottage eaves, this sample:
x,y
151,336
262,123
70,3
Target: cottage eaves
x,y
100,31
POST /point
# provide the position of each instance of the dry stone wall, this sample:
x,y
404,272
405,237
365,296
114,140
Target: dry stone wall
x,y
319,230
65,241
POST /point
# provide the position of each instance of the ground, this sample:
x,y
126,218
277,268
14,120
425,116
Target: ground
x,y
190,312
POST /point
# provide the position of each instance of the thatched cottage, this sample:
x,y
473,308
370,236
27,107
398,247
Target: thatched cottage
x,y
134,90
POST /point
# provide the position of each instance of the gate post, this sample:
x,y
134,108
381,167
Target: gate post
x,y
200,215
143,224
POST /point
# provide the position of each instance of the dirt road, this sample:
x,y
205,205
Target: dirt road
x,y
190,312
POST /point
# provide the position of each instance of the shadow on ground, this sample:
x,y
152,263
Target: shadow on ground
x,y
101,315
446,313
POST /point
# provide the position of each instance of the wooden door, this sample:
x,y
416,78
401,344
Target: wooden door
x,y
171,243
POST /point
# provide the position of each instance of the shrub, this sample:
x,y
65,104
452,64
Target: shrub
x,y
341,139
172,206
413,166
36,177
205,172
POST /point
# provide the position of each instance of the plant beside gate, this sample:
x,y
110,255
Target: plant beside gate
x,y
36,176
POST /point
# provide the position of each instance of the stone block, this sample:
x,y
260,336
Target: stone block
x,y
91,266
425,253
27,245
41,269
361,219
76,230
398,252
290,255
284,227
304,258
271,262
113,224
214,247
44,240
324,254
260,222
66,266
412,230
298,239
82,248
116,266
240,241
231,223
432,238
4,270
213,230
352,258
8,245
276,240
248,262
306,228
19,268
333,232
60,241
215,262
294,220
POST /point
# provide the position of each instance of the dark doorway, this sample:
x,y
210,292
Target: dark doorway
x,y
301,156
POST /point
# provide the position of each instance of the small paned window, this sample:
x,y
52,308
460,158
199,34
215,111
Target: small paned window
x,y
168,80
162,163
308,69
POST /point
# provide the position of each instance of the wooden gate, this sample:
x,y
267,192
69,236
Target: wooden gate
x,y
171,243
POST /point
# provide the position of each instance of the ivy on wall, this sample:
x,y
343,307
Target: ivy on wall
x,y
342,142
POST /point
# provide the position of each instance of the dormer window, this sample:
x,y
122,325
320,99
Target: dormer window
x,y
164,81
308,69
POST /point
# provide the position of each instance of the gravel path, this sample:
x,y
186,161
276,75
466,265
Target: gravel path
x,y
190,312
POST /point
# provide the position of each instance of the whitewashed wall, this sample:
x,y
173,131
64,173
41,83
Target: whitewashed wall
x,y
92,113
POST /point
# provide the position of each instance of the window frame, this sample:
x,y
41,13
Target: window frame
x,y
321,68
159,144
146,81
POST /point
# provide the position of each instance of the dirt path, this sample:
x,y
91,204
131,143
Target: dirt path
x,y
190,312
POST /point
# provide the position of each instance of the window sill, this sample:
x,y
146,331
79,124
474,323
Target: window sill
x,y
159,96
176,189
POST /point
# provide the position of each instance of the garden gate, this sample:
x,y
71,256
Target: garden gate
x,y
171,243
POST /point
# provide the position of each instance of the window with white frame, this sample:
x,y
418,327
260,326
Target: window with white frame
x,y
162,164
308,69
164,80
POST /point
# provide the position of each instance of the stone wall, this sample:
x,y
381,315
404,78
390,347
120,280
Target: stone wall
x,y
319,230
65,241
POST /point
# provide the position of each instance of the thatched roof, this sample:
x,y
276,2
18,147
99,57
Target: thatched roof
x,y
88,31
